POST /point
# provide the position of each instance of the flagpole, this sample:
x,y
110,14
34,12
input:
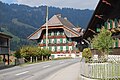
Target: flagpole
x,y
46,27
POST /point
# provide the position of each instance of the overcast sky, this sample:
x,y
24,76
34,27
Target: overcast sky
x,y
78,4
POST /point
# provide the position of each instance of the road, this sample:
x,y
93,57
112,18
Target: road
x,y
38,71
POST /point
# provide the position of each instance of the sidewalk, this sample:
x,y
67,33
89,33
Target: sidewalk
x,y
68,73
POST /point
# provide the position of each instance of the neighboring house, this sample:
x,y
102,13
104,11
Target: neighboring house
x,y
63,37
107,14
5,47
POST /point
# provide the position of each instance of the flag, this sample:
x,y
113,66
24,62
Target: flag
x,y
106,2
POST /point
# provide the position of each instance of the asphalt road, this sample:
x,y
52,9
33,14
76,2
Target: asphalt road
x,y
38,71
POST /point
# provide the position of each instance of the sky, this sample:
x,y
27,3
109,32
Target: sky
x,y
77,4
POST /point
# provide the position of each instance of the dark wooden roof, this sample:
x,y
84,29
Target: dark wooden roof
x,y
106,9
4,35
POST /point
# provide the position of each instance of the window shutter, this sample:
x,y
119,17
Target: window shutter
x,y
106,26
116,43
98,29
111,22
61,48
116,23
61,40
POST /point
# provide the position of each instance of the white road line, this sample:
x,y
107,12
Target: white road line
x,y
46,66
61,62
21,73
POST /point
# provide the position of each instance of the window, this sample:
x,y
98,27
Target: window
x,y
58,33
52,33
58,48
64,48
53,48
58,40
70,47
64,40
41,41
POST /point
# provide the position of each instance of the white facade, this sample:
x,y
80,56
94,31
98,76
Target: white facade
x,y
63,55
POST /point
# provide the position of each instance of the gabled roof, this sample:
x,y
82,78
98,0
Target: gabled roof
x,y
57,21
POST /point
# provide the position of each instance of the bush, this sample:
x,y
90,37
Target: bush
x,y
87,54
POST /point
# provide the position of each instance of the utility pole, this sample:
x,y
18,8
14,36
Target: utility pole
x,y
46,27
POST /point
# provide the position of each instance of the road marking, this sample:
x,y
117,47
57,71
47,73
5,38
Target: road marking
x,y
46,66
21,73
61,62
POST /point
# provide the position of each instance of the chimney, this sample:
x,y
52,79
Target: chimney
x,y
59,15
65,18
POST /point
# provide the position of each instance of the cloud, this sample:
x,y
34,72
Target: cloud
x,y
9,1
79,4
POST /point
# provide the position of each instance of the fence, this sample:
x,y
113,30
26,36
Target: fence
x,y
109,70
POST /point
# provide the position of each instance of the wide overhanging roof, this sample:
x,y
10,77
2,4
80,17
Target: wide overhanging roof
x,y
57,22
106,9
4,35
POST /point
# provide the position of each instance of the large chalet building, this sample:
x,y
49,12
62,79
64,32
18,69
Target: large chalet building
x,y
63,37
107,14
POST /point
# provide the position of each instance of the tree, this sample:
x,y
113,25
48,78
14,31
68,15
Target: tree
x,y
103,42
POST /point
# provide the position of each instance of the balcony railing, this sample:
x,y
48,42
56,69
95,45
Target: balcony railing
x,y
58,44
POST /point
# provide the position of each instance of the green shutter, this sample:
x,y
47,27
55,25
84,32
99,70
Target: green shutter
x,y
61,40
111,26
66,40
116,43
61,48
49,41
116,23
55,48
106,25
44,41
67,48
98,29
55,40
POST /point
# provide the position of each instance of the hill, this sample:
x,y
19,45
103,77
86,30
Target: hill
x,y
20,20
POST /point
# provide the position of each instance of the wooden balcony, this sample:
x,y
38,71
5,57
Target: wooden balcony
x,y
55,36
58,44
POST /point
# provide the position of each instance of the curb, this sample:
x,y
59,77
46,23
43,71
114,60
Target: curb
x,y
84,78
